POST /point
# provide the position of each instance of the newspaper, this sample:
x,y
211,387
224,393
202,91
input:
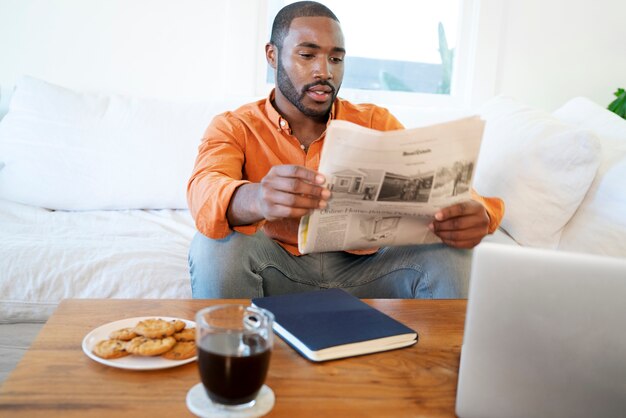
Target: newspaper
x,y
386,186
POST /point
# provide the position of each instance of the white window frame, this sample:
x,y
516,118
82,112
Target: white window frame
x,y
475,75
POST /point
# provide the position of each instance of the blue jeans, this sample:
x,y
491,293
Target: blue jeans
x,y
248,266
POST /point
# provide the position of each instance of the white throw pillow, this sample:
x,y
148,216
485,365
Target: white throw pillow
x,y
538,165
599,225
68,150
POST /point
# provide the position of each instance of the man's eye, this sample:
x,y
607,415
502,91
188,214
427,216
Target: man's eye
x,y
336,60
306,55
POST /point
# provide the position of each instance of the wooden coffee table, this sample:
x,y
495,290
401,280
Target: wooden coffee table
x,y
55,378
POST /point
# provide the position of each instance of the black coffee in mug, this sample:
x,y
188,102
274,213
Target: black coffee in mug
x,y
233,366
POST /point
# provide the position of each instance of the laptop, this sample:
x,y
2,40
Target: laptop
x,y
545,335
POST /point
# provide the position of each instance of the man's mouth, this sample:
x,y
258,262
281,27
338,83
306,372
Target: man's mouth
x,y
320,93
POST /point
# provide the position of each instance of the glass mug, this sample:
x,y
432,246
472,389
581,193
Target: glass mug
x,y
234,348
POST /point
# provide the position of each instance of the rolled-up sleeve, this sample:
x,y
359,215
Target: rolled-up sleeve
x,y
216,175
494,207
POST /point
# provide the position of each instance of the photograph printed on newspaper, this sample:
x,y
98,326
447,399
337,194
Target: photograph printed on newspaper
x,y
387,186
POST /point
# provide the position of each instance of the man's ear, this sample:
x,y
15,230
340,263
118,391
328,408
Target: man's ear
x,y
271,54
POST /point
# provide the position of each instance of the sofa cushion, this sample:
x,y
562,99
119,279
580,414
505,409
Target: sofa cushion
x,y
46,256
599,225
63,149
540,166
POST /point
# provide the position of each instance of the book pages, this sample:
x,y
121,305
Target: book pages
x,y
387,186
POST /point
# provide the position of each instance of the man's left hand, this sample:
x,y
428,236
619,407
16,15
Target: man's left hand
x,y
462,225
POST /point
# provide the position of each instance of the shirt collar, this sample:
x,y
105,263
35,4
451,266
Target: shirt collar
x,y
281,123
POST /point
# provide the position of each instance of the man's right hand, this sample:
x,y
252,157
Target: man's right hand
x,y
291,191
286,191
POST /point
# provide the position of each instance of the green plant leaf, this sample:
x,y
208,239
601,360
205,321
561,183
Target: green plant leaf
x,y
618,106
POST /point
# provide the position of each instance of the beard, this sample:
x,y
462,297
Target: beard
x,y
286,87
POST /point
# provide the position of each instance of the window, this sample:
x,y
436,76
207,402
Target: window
x,y
399,52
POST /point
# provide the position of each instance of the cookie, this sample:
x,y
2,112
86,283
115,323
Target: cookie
x,y
155,328
181,351
144,346
124,334
178,324
110,349
188,334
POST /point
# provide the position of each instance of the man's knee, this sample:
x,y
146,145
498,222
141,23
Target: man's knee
x,y
440,271
204,253
450,272
219,268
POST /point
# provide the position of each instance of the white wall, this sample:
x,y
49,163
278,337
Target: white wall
x,y
541,51
186,48
551,50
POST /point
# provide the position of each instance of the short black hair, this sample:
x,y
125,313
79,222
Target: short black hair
x,y
283,19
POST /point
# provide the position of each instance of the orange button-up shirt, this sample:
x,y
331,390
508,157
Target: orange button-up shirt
x,y
241,146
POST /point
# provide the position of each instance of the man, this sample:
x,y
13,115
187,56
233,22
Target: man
x,y
255,177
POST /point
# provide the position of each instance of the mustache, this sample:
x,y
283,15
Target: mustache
x,y
319,83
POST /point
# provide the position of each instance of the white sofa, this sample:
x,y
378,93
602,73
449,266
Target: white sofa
x,y
92,191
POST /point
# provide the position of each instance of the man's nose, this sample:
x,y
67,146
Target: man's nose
x,y
322,70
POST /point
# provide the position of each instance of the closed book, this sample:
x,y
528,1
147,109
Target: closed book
x,y
329,324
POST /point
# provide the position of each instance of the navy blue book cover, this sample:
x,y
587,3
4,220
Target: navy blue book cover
x,y
329,318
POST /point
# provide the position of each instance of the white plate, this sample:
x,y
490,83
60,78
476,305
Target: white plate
x,y
131,362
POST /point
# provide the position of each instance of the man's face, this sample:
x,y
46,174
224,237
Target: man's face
x,y
309,67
